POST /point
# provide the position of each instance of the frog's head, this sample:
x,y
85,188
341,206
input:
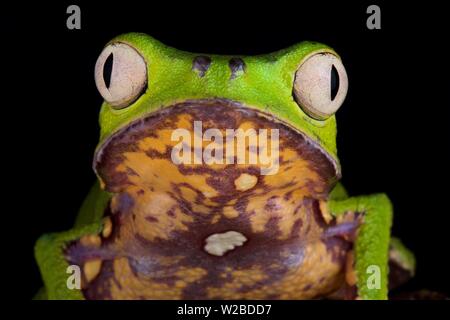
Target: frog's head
x,y
166,114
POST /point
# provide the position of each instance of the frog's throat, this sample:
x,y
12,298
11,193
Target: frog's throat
x,y
141,162
210,231
150,143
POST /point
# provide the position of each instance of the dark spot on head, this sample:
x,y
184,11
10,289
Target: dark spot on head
x,y
201,64
237,66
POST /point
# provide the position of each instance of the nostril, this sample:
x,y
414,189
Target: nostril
x,y
237,67
201,64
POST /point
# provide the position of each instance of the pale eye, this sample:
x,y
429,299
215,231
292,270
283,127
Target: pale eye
x,y
120,75
320,85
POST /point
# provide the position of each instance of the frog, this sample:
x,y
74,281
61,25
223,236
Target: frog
x,y
180,212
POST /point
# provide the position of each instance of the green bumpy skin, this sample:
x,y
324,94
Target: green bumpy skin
x,y
266,85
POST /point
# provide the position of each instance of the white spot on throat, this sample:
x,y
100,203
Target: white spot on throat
x,y
245,182
219,243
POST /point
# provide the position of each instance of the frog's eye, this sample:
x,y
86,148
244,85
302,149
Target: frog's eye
x,y
120,75
320,85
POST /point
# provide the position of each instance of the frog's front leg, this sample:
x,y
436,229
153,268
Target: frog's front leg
x,y
371,246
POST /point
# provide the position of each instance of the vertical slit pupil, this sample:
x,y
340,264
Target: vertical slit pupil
x,y
107,70
334,82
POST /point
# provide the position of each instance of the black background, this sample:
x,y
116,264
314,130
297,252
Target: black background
x,y
393,131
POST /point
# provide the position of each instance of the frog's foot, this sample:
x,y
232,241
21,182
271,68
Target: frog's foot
x,y
345,226
401,266
371,249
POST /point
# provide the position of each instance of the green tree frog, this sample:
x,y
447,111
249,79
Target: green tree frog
x,y
218,178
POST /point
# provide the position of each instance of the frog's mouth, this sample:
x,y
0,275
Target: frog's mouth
x,y
178,141
173,219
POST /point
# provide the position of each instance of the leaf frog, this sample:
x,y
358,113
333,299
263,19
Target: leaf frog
x,y
218,178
